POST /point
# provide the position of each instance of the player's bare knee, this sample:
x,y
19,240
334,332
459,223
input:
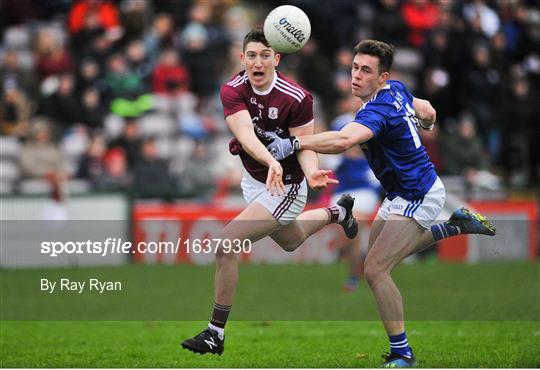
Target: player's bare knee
x,y
290,246
374,273
225,255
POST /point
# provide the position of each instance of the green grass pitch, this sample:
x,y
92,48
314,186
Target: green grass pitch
x,y
284,316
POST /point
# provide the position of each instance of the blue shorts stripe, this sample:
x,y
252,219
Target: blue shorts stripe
x,y
409,208
406,210
417,206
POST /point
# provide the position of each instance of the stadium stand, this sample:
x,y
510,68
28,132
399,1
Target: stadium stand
x,y
91,67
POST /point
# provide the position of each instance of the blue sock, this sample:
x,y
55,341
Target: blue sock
x,y
400,345
444,230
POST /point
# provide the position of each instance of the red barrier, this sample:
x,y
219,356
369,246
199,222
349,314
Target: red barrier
x,y
169,222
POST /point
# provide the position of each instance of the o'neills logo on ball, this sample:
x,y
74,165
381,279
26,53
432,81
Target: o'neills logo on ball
x,y
295,32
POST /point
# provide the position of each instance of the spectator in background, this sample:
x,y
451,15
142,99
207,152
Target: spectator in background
x,y
170,82
390,25
481,17
51,56
92,15
437,50
134,15
198,176
237,20
518,114
122,81
204,44
13,73
89,77
62,107
170,77
420,16
347,18
465,157
40,157
463,149
499,53
159,36
199,59
139,63
99,48
128,94
129,141
209,14
312,63
93,111
151,173
15,110
91,166
522,29
116,176
342,76
481,88
440,65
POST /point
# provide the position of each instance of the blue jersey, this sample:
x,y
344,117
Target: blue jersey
x,y
395,153
353,173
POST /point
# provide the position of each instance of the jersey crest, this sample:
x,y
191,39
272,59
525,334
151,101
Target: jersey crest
x,y
272,113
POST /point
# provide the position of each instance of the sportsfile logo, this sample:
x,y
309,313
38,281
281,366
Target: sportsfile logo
x,y
295,32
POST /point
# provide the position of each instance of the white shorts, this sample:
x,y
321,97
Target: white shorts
x,y
425,210
365,200
284,207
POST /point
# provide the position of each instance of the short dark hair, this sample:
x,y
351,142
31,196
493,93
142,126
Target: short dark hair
x,y
255,35
379,49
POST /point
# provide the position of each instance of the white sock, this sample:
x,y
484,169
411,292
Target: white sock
x,y
220,331
342,213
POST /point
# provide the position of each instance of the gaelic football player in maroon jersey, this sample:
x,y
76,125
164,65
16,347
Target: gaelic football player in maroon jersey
x,y
257,102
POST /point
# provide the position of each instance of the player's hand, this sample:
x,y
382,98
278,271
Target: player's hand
x,y
274,180
281,148
319,180
425,126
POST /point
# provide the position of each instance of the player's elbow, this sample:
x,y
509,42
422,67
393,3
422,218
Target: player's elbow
x,y
342,144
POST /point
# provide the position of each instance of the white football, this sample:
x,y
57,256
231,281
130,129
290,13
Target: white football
x,y
287,28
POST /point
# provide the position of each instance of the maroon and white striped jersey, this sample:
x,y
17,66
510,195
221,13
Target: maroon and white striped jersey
x,y
283,105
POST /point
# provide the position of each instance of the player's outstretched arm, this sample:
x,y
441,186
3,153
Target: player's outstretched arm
x,y
425,113
242,128
329,142
335,142
309,161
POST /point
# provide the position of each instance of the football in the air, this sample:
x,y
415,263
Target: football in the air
x,y
287,28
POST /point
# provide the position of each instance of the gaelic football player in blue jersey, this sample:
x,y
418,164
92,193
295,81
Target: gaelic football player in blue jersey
x,y
386,128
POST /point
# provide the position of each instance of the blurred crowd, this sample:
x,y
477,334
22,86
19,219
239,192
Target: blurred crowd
x,y
124,95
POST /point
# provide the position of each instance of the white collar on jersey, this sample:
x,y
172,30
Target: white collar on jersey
x,y
267,91
385,87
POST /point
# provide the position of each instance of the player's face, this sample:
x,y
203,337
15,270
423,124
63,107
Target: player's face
x,y
366,79
260,62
